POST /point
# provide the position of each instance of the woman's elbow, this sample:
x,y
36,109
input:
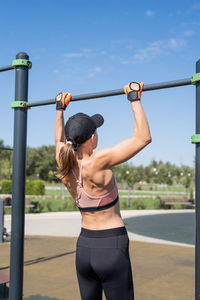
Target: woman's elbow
x,y
149,140
142,141
146,140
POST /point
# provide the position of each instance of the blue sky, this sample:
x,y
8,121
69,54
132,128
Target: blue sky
x,y
89,46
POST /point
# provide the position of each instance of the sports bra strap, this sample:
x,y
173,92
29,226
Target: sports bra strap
x,y
80,175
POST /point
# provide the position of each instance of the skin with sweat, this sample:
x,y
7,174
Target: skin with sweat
x,y
97,175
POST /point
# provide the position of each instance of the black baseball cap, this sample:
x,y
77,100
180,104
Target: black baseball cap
x,y
80,127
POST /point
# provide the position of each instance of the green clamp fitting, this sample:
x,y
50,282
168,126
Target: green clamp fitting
x,y
195,78
19,104
195,138
22,62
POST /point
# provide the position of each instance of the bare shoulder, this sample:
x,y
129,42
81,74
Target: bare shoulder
x,y
100,158
95,170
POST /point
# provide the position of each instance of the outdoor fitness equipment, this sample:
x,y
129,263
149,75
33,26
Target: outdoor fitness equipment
x,y
20,105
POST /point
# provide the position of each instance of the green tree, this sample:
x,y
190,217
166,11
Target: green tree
x,y
46,161
32,161
5,162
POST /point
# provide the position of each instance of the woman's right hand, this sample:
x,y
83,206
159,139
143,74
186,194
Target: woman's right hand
x,y
133,90
62,101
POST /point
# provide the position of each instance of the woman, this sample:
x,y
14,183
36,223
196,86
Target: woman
x,y
102,253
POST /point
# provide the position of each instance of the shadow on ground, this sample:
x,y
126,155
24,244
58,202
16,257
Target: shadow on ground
x,y
171,227
38,297
4,292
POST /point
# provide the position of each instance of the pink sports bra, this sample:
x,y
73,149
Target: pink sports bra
x,y
85,202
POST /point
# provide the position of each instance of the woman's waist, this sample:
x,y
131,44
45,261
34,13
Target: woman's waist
x,y
116,237
114,231
102,220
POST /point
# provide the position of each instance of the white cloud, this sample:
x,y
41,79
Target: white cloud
x,y
93,71
86,52
153,50
176,44
188,32
159,48
72,55
196,6
195,23
173,44
130,47
121,42
96,69
149,13
103,52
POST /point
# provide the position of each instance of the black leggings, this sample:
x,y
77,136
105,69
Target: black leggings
x,y
103,263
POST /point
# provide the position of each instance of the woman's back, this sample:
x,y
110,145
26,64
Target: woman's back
x,y
96,183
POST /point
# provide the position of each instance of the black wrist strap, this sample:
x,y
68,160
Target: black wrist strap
x,y
133,96
59,105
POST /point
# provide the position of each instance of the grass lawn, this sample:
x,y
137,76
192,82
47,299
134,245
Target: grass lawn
x,y
175,188
59,192
68,204
56,192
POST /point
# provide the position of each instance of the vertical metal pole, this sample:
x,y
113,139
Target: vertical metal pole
x,y
1,221
197,188
18,185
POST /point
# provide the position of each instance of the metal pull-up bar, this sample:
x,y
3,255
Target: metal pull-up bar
x,y
7,68
147,87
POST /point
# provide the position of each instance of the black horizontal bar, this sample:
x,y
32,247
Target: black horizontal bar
x,y
6,148
8,68
148,87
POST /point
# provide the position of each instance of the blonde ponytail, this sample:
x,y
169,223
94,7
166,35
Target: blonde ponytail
x,y
67,160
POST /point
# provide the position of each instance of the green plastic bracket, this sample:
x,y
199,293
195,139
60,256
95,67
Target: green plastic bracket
x,y
195,138
22,62
195,78
19,104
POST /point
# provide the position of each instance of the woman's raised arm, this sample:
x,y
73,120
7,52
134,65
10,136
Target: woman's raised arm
x,y
62,101
128,148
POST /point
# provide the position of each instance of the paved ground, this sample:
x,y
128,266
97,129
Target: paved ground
x,y
143,229
162,270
